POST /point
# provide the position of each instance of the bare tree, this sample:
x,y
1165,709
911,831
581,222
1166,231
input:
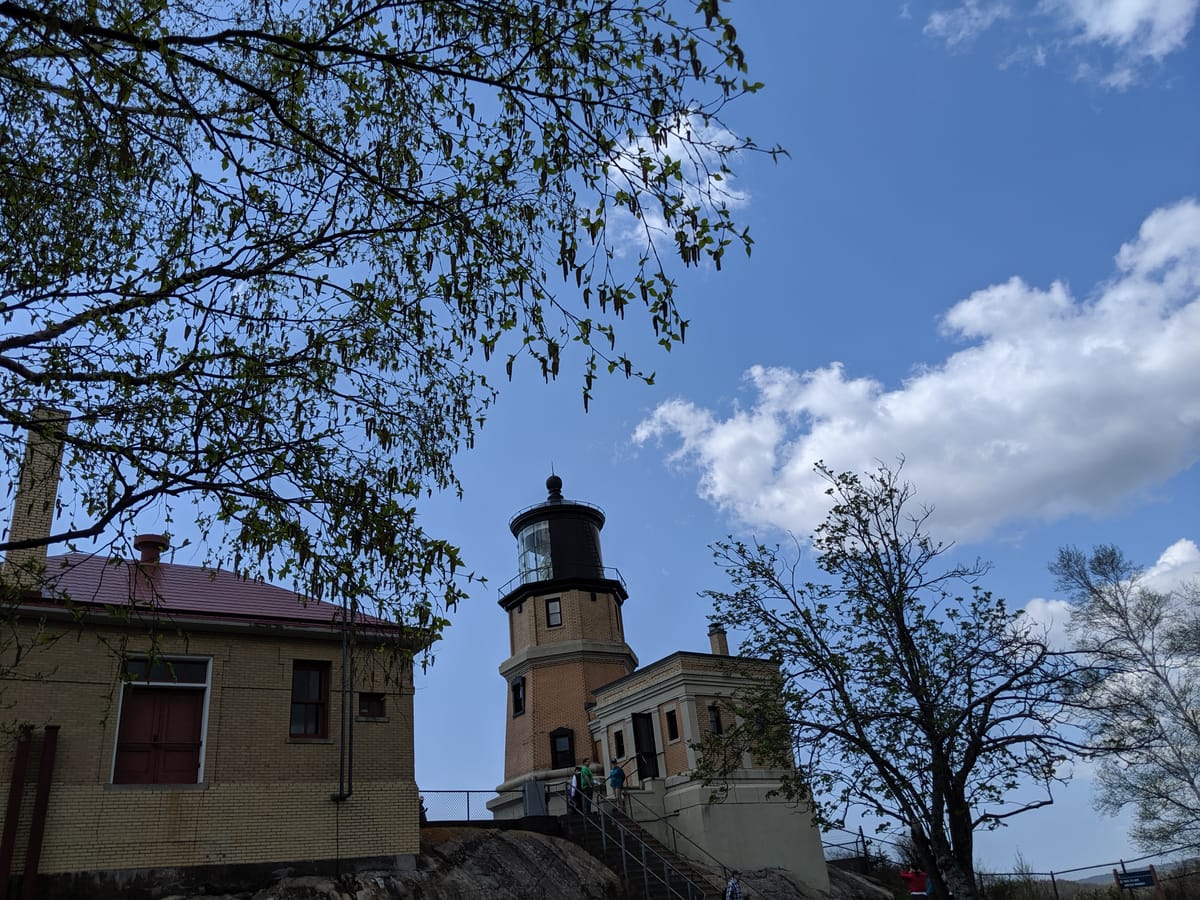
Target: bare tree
x,y
1143,706
933,711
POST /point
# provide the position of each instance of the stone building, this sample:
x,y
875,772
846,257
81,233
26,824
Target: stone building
x,y
575,691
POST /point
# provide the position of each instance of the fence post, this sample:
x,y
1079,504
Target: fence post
x,y
865,857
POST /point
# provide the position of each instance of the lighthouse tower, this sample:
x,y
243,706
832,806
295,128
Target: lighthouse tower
x,y
566,639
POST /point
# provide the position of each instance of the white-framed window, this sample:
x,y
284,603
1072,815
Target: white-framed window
x,y
163,720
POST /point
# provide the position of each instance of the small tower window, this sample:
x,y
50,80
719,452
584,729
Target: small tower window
x,y
672,725
562,748
553,612
518,696
714,719
619,741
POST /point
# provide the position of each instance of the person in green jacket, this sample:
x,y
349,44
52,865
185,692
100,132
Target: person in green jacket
x,y
587,784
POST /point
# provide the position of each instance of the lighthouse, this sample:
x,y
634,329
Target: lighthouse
x,y
566,639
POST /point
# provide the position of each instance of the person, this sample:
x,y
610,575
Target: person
x,y
733,890
916,881
573,793
587,785
616,780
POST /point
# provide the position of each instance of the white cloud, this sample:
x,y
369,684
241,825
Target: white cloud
x,y
1057,406
1053,616
1139,29
703,182
965,23
1179,563
1126,33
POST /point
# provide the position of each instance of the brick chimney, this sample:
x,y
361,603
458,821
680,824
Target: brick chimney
x,y
37,489
716,637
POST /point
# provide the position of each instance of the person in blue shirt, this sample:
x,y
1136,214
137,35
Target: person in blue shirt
x,y
616,780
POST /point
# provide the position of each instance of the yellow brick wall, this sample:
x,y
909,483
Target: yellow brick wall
x,y
33,505
582,617
265,797
554,698
674,752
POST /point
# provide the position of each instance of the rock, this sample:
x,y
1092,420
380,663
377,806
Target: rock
x,y
473,863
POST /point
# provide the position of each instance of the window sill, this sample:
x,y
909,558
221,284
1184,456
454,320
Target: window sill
x,y
136,788
372,719
292,739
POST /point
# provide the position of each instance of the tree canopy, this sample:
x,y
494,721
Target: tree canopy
x,y
1143,705
261,253
937,711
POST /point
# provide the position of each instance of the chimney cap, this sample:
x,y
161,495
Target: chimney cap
x,y
716,628
151,546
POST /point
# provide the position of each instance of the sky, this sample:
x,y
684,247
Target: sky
x,y
982,255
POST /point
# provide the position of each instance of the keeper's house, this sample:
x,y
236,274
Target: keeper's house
x,y
169,727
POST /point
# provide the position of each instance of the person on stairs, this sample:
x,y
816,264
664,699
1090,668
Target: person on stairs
x,y
587,785
733,890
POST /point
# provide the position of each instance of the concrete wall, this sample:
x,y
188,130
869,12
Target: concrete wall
x,y
748,830
264,797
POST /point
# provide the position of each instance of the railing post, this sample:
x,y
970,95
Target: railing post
x,y
645,870
624,858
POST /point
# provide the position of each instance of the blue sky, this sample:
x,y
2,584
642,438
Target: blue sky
x,y
983,254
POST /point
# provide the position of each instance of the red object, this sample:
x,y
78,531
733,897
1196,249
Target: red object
x,y
916,881
189,592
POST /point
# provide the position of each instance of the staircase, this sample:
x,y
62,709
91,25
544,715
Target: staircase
x,y
650,870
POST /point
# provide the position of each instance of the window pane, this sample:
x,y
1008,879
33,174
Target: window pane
x,y
167,671
371,705
533,545
310,699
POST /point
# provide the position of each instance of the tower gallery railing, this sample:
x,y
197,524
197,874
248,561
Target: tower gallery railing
x,y
547,573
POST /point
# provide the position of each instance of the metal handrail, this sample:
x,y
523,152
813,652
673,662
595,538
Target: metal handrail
x,y
603,819
676,834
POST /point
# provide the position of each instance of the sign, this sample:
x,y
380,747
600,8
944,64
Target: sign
x,y
1134,879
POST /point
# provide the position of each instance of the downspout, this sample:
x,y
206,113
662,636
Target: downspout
x,y
12,814
37,828
346,732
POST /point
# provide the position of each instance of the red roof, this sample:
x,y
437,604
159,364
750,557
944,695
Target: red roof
x,y
187,591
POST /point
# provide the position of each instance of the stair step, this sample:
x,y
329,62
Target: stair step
x,y
607,850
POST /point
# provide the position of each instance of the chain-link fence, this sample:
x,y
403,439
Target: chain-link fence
x,y
460,806
1175,877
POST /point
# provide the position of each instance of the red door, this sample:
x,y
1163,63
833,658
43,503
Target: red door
x,y
159,737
